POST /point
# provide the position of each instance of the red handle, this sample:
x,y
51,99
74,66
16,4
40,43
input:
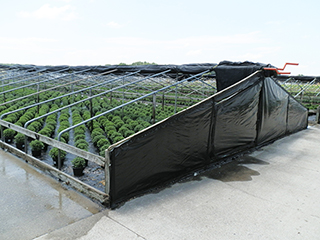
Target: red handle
x,y
277,69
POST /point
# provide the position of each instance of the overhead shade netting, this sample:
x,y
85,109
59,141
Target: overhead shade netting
x,y
251,112
176,71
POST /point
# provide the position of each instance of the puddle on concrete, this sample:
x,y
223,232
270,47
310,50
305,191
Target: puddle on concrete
x,y
231,171
33,203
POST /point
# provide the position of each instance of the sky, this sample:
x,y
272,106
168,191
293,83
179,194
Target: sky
x,y
99,32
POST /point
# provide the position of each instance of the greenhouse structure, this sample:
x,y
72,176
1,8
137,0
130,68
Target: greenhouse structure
x,y
137,128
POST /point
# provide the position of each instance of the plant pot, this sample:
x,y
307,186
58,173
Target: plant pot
x,y
8,140
45,148
78,171
20,146
36,153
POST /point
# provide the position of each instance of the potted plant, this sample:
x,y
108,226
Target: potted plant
x,y
19,139
36,147
54,153
78,165
8,135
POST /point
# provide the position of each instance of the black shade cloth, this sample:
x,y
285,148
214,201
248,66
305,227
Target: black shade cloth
x,y
161,153
228,73
251,113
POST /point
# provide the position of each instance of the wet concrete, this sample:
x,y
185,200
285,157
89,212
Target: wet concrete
x,y
33,204
272,193
232,171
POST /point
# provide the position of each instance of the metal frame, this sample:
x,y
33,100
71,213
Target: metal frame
x,y
123,105
114,84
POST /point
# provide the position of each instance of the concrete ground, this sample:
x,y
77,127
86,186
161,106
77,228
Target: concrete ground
x,y
272,193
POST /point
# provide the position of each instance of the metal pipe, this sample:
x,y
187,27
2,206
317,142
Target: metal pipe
x,y
127,103
52,99
28,79
92,118
86,99
46,90
47,80
307,86
23,75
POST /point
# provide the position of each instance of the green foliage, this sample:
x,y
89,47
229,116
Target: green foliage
x,y
115,134
19,138
9,133
78,162
102,142
96,139
46,132
79,130
122,130
110,128
138,128
103,150
79,136
117,139
128,133
54,154
36,125
97,131
118,123
36,145
82,144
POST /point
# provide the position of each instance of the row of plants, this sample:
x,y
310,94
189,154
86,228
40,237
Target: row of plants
x,y
80,142
104,131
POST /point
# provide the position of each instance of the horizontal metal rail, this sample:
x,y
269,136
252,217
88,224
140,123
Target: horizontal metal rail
x,y
22,75
127,103
52,99
47,80
107,173
28,79
83,100
52,142
48,89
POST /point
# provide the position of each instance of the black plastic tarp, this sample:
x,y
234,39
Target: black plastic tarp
x,y
297,116
228,73
161,153
236,118
273,108
299,78
250,113
183,70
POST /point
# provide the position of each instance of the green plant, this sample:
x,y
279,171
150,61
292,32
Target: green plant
x,y
36,145
9,133
54,154
96,132
128,133
19,138
45,131
79,136
78,162
103,150
82,144
117,139
102,142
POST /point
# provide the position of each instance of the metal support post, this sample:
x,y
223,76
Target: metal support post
x,y
175,100
154,108
162,101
